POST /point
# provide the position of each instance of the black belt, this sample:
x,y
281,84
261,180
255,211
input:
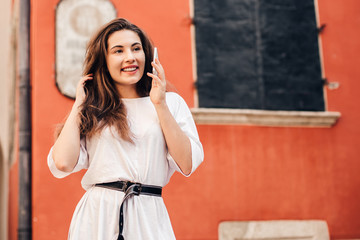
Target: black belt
x,y
130,189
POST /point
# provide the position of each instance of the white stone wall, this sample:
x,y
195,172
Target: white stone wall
x,y
7,106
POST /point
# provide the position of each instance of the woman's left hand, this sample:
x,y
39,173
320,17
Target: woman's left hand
x,y
158,85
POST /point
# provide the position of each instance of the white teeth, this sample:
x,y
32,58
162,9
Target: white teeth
x,y
129,69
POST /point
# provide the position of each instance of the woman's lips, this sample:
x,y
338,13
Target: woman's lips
x,y
129,69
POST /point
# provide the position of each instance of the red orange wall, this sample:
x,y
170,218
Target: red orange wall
x,y
249,173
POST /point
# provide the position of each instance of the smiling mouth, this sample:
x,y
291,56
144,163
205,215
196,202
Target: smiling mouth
x,y
129,69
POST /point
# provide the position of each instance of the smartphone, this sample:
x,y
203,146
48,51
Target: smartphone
x,y
155,56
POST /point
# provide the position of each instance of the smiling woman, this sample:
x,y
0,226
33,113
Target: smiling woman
x,y
131,136
125,61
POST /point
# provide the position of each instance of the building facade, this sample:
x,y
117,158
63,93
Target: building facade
x,y
259,165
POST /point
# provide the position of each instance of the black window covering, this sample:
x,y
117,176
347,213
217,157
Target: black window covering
x,y
258,54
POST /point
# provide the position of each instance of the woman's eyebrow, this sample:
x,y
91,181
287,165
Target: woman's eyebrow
x,y
120,46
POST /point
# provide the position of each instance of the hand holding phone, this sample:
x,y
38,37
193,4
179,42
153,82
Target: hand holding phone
x,y
155,57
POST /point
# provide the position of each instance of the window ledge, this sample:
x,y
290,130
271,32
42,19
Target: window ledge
x,y
222,116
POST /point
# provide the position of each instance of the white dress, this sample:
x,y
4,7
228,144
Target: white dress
x,y
108,158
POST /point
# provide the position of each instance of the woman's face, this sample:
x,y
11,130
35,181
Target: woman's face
x,y
125,59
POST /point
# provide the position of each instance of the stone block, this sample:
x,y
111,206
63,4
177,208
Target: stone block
x,y
272,230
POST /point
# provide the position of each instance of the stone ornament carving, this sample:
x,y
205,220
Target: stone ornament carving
x,y
76,22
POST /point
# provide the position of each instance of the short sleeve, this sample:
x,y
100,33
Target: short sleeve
x,y
183,117
82,163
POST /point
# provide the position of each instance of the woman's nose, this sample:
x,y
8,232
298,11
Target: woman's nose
x,y
129,56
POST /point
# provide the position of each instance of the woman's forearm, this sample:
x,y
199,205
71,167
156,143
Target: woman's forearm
x,y
67,146
177,142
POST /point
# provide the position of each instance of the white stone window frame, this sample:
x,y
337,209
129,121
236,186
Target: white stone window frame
x,y
223,116
226,116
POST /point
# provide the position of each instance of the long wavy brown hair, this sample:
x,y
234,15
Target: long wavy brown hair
x,y
102,105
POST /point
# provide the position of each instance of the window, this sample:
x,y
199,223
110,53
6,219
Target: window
x,y
258,54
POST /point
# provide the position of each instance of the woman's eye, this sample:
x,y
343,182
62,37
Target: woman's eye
x,y
118,51
137,49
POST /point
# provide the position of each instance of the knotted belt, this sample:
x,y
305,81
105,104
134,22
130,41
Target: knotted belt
x,y
130,189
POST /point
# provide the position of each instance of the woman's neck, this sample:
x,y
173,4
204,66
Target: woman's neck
x,y
128,91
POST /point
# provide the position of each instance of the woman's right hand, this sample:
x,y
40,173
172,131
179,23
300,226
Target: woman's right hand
x,y
80,92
